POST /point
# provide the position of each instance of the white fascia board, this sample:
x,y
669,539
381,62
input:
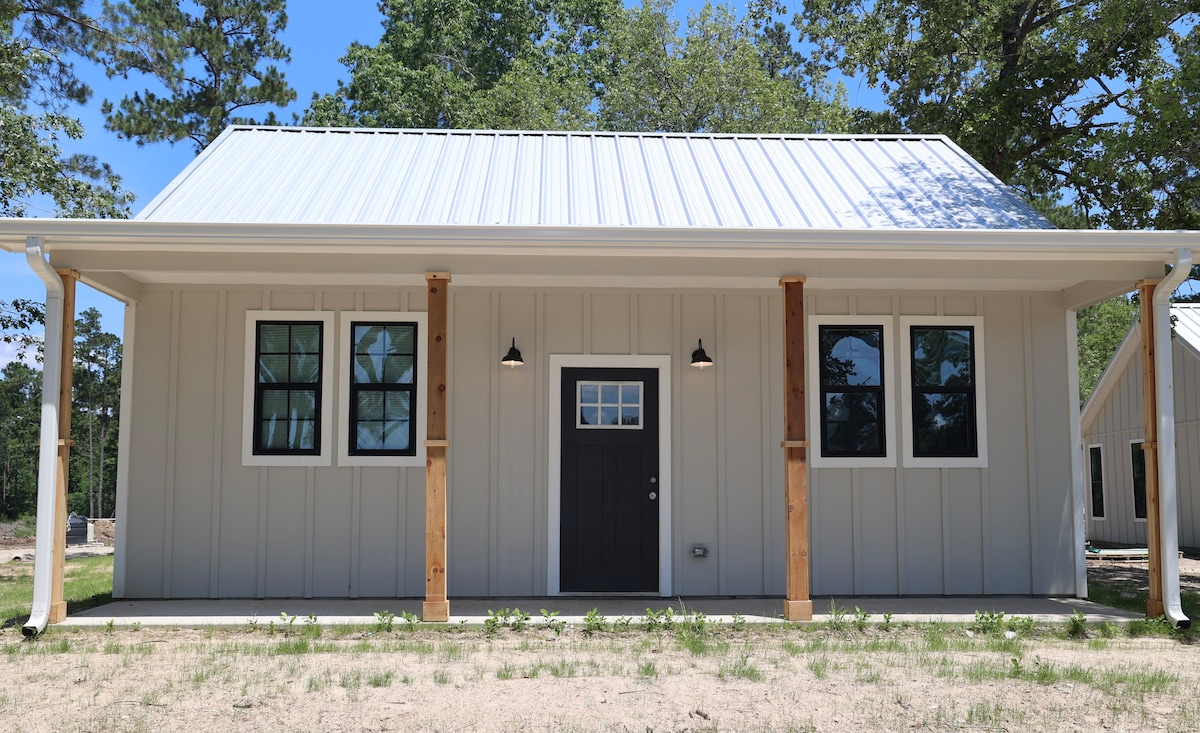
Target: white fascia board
x,y
966,244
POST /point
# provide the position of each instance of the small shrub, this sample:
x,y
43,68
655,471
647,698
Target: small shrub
x,y
737,622
384,620
1077,625
861,618
988,622
554,624
594,622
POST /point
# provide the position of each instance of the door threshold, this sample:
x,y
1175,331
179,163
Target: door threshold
x,y
608,594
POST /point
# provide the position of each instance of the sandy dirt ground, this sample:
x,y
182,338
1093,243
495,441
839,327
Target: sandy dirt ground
x,y
922,678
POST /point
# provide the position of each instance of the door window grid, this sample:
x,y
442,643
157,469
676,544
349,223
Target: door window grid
x,y
608,405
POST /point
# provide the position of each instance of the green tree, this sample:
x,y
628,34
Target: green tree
x,y
1101,329
20,413
713,78
579,64
38,40
97,400
17,317
212,65
486,63
1036,91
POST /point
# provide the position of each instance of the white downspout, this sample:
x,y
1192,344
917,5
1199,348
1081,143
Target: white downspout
x,y
1168,521
43,563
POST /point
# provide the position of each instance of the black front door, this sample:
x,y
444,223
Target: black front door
x,y
609,529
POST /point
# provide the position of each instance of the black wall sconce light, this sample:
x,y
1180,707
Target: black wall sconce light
x,y
701,360
513,357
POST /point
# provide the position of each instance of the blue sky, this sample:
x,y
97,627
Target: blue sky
x,y
317,38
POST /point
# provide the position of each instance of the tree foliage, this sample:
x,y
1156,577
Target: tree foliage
x,y
38,40
578,64
1053,96
212,64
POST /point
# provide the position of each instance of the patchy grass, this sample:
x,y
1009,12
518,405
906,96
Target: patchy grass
x,y
1118,595
87,583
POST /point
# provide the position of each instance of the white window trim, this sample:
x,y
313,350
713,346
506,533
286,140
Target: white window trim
x,y
911,461
665,417
1103,483
813,380
328,343
345,344
1132,500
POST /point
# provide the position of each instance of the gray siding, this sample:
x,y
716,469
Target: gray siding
x,y
200,524
1120,420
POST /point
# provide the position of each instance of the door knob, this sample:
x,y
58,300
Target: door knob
x,y
653,496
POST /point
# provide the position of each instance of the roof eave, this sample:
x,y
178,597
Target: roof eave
x,y
1031,244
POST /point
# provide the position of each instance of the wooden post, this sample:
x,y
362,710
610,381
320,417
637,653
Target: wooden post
x,y
436,606
58,603
1154,601
798,605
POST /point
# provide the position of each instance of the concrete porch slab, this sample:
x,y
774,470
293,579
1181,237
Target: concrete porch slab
x,y
474,611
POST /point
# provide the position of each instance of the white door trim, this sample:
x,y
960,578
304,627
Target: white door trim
x,y
608,361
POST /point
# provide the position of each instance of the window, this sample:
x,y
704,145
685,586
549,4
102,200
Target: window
x,y
851,408
287,397
1096,475
851,400
1138,462
383,384
609,405
943,386
381,392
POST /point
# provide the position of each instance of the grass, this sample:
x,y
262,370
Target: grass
x,y
1118,596
87,583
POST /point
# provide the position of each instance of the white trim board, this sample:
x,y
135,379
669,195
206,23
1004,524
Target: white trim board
x,y
345,344
328,342
554,504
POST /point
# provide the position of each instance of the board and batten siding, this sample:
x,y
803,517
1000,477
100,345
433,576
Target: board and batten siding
x,y
202,525
1120,421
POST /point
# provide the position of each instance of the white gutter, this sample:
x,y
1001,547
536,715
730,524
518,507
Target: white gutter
x,y
43,562
1168,531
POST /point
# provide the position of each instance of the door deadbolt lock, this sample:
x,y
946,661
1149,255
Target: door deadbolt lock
x,y
653,479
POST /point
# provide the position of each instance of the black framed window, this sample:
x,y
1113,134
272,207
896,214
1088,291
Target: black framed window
x,y
1096,467
287,387
852,398
383,389
943,392
1138,461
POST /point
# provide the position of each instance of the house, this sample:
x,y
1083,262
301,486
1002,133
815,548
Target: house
x,y
1113,435
315,404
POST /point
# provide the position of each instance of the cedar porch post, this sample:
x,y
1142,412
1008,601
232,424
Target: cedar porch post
x,y
436,606
1154,601
58,603
798,605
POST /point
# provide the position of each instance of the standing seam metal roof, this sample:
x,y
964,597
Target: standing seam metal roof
x,y
294,175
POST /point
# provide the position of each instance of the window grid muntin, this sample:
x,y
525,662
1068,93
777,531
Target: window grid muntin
x,y
384,389
261,387
877,391
967,391
620,403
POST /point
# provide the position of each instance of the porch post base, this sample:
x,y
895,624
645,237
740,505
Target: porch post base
x,y
1154,608
435,611
58,612
797,610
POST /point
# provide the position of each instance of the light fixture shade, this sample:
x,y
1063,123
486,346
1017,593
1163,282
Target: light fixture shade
x,y
700,360
513,357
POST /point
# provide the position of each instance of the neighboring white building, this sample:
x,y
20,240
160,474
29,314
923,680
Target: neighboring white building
x,y
1113,431
941,366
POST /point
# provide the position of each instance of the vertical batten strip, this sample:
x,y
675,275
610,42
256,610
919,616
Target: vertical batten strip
x,y
493,545
1154,601
1031,448
722,457
901,529
356,483
214,542
541,495
169,479
436,606
798,605
124,441
764,417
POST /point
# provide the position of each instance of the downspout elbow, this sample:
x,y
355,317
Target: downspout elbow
x,y
1167,477
43,563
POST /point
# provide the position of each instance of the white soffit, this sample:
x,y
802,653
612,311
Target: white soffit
x,y
293,175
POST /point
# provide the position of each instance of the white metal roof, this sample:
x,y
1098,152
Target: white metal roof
x,y
293,175
1186,320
